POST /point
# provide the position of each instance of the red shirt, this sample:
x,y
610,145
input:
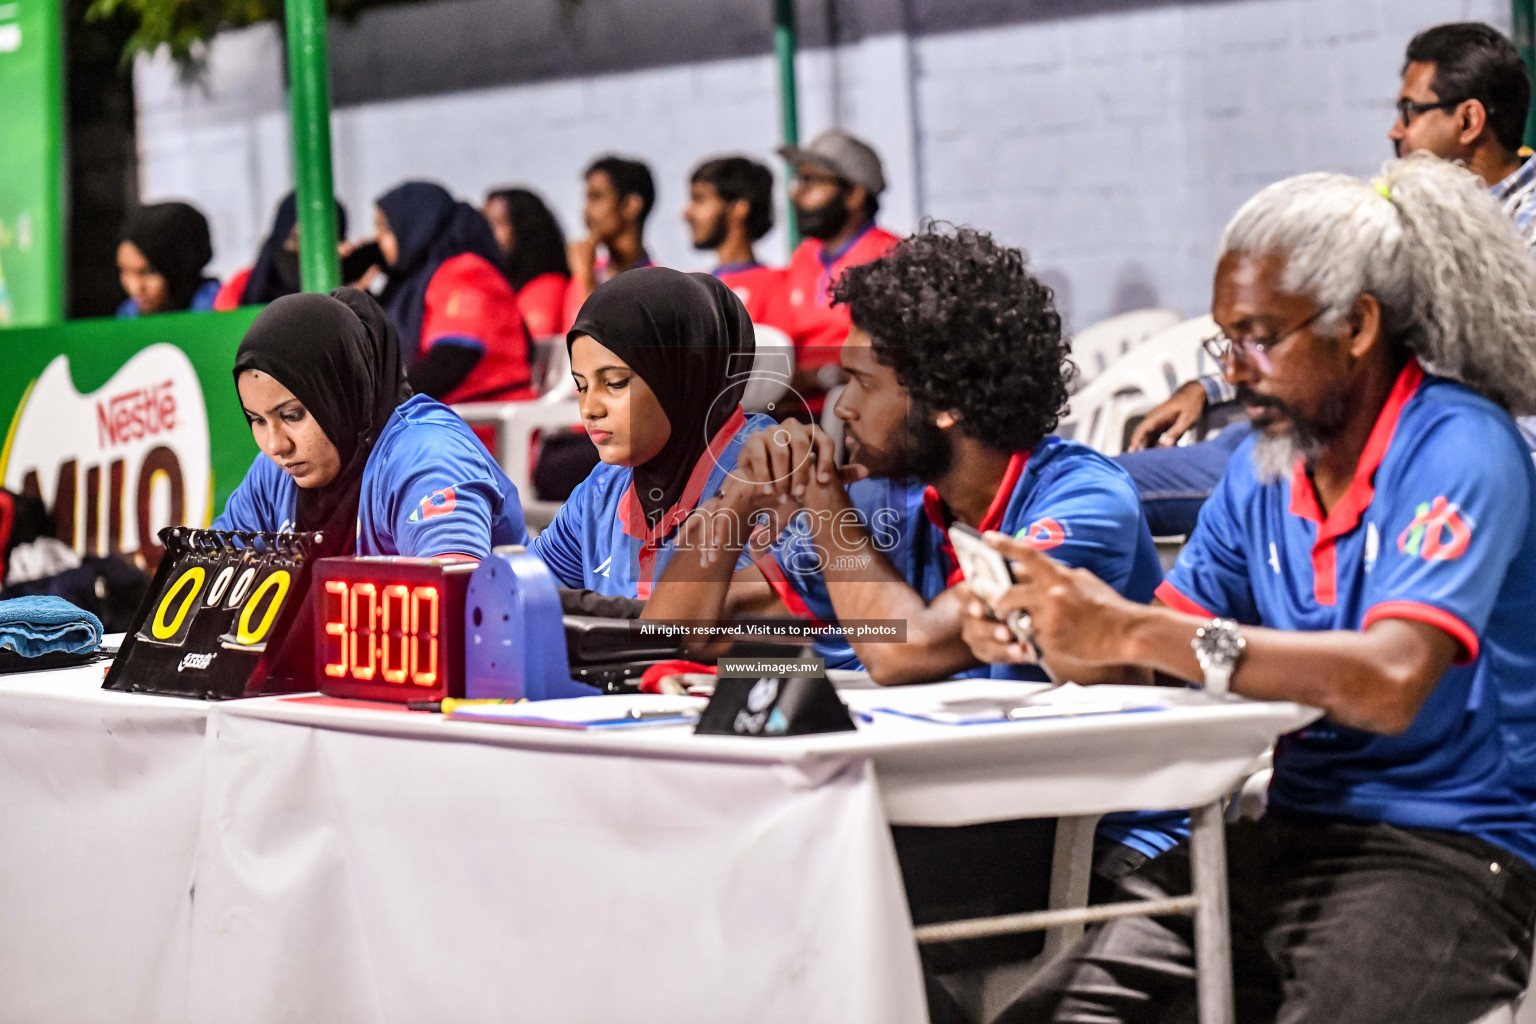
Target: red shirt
x,y
470,303
805,311
542,303
756,286
231,291
602,272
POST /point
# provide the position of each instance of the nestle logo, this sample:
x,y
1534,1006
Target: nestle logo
x,y
197,661
136,414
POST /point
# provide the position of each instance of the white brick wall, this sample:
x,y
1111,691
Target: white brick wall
x,y
1112,147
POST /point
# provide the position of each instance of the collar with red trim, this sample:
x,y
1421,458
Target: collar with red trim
x,y
632,516
1345,515
940,516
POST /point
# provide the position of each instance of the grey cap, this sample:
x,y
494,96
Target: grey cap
x,y
847,156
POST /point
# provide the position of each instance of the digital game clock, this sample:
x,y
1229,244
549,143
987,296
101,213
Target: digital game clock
x,y
390,628
423,629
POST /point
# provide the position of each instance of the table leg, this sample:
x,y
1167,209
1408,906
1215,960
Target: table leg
x,y
1071,872
1213,934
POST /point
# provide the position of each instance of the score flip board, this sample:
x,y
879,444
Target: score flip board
x,y
226,616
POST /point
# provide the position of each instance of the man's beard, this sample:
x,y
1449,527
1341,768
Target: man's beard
x,y
1305,438
826,220
716,237
930,451
880,462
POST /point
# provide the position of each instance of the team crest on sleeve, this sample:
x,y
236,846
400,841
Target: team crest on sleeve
x,y
1439,532
439,503
1044,534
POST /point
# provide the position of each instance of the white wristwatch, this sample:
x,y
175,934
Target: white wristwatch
x,y
1218,646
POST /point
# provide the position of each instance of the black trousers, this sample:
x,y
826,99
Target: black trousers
x,y
1332,922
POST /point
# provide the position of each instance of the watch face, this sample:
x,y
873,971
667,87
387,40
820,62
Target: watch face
x,y
1221,642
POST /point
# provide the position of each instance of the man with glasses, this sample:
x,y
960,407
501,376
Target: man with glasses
x,y
1464,96
1370,551
836,192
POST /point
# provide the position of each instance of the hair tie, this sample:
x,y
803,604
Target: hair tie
x,y
1383,188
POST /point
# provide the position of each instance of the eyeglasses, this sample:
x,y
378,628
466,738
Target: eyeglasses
x,y
1407,110
1221,348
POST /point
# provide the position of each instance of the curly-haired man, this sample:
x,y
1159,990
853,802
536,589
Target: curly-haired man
x,y
957,374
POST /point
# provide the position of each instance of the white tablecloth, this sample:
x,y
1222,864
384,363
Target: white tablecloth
x,y
386,867
365,865
100,799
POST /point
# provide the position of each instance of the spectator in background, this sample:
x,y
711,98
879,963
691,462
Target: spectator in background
x,y
534,245
730,206
620,194
1464,96
449,297
160,261
276,270
836,192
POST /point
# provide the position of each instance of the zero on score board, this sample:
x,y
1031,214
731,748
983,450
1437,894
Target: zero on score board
x,y
182,596
390,633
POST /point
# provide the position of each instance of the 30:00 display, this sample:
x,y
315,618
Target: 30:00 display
x,y
391,634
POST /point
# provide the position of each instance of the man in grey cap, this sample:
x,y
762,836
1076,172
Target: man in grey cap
x,y
836,192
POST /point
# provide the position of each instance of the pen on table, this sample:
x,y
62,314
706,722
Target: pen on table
x,y
447,704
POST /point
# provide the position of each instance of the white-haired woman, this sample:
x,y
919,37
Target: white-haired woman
x,y
1370,552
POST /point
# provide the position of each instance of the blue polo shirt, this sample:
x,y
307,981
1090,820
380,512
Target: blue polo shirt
x,y
429,488
600,540
1063,498
1436,527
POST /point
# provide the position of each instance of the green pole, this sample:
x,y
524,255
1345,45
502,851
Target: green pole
x,y
32,159
784,44
54,207
309,107
1523,25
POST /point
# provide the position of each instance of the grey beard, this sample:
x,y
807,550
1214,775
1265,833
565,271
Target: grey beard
x,y
1274,457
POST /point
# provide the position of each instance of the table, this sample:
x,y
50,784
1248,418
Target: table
x,y
100,803
361,864
710,877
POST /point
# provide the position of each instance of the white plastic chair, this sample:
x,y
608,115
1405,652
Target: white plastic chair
x,y
1136,383
773,368
1095,349
830,423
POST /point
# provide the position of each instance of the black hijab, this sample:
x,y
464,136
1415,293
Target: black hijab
x,y
276,270
431,228
690,339
340,356
174,239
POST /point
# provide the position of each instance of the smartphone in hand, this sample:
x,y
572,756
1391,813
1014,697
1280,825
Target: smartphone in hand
x,y
985,569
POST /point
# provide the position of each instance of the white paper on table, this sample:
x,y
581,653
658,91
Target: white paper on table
x,y
992,701
581,712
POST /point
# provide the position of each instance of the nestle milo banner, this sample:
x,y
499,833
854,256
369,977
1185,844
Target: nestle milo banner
x,y
123,427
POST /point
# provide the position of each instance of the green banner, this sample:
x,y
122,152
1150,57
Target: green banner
x,y
31,163
125,426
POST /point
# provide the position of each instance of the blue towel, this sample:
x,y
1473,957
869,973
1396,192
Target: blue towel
x,y
31,626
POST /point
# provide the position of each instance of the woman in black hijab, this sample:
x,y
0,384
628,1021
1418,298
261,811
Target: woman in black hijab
x,y
447,283
276,270
661,360
160,260
348,451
